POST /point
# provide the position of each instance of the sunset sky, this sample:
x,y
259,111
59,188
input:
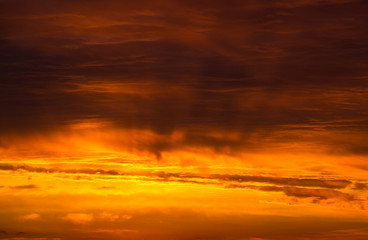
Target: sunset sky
x,y
184,120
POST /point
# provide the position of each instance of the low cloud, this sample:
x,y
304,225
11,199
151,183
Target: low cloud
x,y
317,193
28,186
191,177
307,182
31,216
107,216
79,218
298,192
294,187
360,186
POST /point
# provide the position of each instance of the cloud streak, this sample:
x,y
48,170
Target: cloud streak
x,y
295,187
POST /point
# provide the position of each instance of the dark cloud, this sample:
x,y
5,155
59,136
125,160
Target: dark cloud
x,y
56,170
236,64
318,193
321,194
232,77
28,186
286,181
360,186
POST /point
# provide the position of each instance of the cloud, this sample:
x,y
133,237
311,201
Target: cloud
x,y
107,187
293,187
107,216
31,216
126,217
318,193
312,182
189,177
321,194
224,69
206,79
297,187
360,186
79,218
28,186
12,167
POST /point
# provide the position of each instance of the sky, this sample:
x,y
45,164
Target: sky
x,y
183,120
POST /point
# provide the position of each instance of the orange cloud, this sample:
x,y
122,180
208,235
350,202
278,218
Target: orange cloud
x,y
183,119
31,216
79,218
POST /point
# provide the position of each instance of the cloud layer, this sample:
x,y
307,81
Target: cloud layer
x,y
183,119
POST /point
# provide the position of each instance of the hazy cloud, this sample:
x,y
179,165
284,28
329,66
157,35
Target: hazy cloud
x,y
79,218
31,216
